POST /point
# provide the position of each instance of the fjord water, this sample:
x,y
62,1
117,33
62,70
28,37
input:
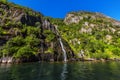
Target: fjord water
x,y
61,71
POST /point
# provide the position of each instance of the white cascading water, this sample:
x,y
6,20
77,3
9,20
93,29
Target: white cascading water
x,y
61,43
64,52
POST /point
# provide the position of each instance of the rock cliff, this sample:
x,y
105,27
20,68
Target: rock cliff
x,y
92,35
26,36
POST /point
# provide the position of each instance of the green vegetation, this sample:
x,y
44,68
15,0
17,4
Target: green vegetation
x,y
24,52
96,36
19,45
50,50
21,33
50,36
4,1
24,34
56,21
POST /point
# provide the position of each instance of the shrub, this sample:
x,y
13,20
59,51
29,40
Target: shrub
x,y
16,41
32,41
24,52
49,50
50,36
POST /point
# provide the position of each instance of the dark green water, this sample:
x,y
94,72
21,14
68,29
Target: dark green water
x,y
61,71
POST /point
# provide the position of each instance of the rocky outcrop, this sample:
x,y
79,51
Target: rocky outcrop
x,y
6,60
76,17
13,13
96,34
57,54
28,36
72,18
14,21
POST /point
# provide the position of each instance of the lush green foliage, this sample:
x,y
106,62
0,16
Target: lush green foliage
x,y
24,45
94,36
50,36
4,1
55,21
24,52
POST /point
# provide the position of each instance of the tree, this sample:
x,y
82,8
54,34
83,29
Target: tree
x,y
4,1
24,52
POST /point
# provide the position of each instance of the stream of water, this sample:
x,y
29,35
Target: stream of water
x,y
64,52
62,46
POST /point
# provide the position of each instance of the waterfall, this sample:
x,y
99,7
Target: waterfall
x,y
62,46
64,52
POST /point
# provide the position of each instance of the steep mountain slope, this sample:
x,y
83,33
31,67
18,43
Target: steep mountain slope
x,y
26,36
91,35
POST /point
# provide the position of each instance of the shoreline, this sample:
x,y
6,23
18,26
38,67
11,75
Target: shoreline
x,y
10,60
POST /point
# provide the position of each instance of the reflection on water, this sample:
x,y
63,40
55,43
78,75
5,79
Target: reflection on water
x,y
61,71
64,72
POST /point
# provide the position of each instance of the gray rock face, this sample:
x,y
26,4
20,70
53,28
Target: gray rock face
x,y
15,18
116,23
71,18
6,60
13,13
76,17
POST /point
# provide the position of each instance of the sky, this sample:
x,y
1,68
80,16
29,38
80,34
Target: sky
x,y
59,8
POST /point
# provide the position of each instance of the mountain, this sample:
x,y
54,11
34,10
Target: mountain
x,y
92,35
29,36
25,36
